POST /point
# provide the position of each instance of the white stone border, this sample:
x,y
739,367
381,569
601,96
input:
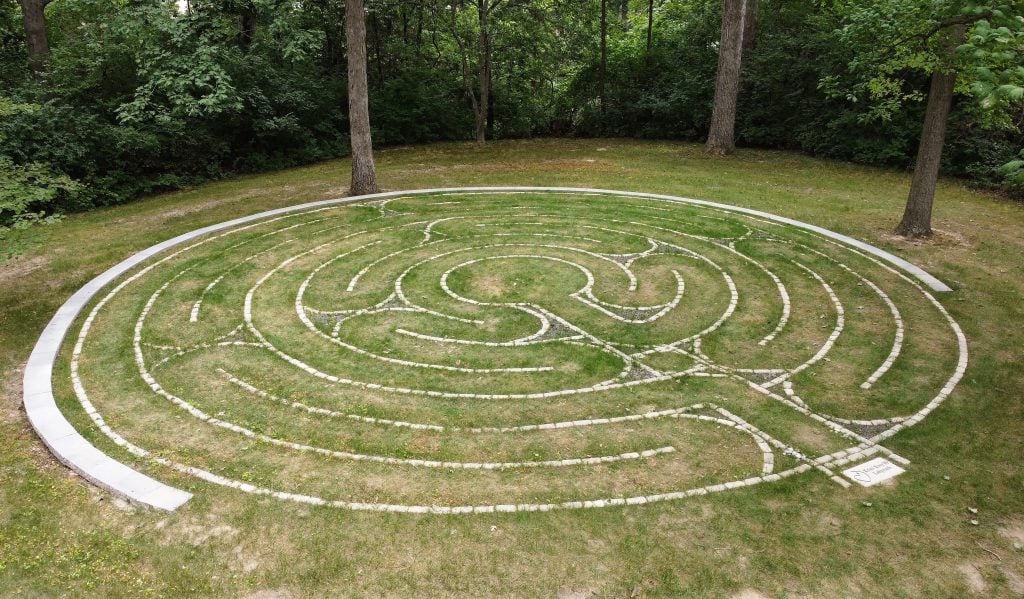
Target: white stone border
x,y
75,452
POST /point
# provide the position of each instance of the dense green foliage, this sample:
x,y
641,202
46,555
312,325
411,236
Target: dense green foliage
x,y
804,87
138,97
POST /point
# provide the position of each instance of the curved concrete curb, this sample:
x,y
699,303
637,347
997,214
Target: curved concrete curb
x,y
77,453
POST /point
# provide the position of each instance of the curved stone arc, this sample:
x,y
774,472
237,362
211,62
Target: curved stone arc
x,y
73,450
60,437
917,272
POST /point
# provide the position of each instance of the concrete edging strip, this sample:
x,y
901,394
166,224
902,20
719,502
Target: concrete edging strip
x,y
74,451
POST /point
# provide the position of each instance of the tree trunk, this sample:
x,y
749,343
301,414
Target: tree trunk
x,y
624,11
917,217
405,25
34,18
750,25
650,24
364,175
603,67
730,56
377,43
490,109
484,73
419,28
246,29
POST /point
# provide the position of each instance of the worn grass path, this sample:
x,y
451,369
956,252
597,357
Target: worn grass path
x,y
59,537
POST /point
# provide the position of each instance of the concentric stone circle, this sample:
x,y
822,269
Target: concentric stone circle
x,y
508,349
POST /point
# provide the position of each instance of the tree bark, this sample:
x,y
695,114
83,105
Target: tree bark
x,y
721,139
490,109
34,18
917,216
377,43
750,25
603,67
624,11
364,175
483,72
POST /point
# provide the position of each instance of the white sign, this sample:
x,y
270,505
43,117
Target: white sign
x,y
873,472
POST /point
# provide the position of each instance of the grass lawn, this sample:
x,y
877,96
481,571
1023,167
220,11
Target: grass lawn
x,y
802,536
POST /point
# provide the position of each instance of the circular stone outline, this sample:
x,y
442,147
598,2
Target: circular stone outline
x,y
75,452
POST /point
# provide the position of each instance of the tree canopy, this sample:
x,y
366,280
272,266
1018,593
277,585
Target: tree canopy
x,y
136,97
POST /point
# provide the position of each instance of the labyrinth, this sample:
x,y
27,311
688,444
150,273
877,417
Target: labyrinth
x,y
496,351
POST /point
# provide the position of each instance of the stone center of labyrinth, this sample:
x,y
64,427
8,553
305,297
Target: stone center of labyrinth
x,y
509,351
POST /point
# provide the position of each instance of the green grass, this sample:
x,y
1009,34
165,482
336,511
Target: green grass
x,y
801,537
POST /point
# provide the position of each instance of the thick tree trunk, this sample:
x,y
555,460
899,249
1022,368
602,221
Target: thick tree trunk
x,y
624,11
364,175
34,19
917,217
730,56
750,25
603,67
484,73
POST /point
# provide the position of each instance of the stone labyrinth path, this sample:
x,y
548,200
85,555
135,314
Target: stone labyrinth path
x,y
508,351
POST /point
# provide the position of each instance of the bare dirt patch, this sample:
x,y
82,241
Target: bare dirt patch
x,y
245,561
939,238
271,594
972,576
1013,531
10,392
951,238
1013,580
18,267
194,531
